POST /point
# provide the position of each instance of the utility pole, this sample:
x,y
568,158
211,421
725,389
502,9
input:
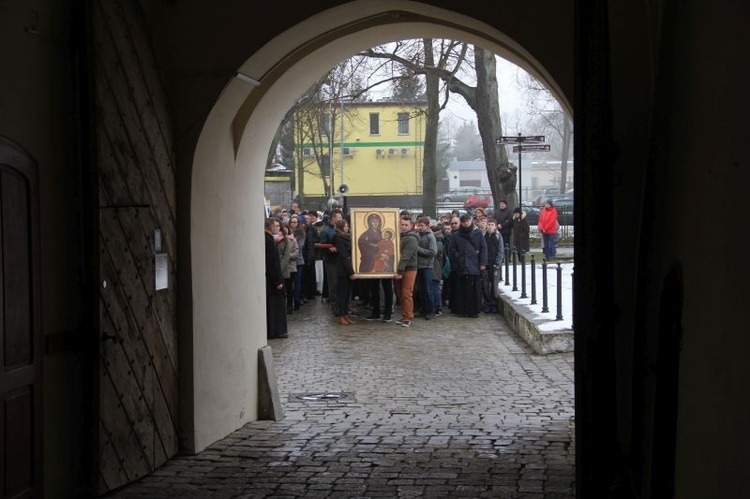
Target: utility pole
x,y
341,149
330,146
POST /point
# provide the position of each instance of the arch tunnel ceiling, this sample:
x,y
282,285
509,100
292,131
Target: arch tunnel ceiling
x,y
333,46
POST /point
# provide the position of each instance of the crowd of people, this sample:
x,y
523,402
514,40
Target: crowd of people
x,y
454,262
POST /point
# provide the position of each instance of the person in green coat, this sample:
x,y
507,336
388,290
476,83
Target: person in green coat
x,y
406,270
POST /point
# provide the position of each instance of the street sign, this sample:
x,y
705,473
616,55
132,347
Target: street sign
x,y
517,139
532,148
525,142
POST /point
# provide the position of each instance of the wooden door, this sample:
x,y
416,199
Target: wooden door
x,y
134,184
20,328
134,187
137,369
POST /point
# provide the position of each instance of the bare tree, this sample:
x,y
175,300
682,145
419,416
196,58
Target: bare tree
x,y
482,98
444,148
548,117
501,174
304,139
429,170
406,83
468,142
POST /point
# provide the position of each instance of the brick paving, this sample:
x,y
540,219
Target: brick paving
x,y
451,407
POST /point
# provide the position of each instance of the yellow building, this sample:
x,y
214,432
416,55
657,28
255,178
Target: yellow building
x,y
378,157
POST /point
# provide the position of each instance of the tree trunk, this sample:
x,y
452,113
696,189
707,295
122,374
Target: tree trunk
x,y
502,178
429,168
565,153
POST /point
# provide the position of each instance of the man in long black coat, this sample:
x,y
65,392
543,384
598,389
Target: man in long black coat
x,y
468,254
275,299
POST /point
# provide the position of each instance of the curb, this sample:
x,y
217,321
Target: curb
x,y
542,342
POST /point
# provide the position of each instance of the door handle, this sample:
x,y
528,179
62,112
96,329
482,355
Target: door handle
x,y
115,338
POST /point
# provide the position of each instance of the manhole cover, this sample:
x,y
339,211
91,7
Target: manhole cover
x,y
325,396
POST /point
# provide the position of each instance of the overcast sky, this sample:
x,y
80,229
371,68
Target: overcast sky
x,y
511,100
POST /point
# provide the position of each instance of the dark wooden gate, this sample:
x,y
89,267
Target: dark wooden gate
x,y
137,375
20,327
137,371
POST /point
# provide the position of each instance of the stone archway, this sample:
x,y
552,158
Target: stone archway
x,y
227,188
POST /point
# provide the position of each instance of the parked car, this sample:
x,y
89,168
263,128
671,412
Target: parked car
x,y
478,200
542,198
564,208
532,213
460,194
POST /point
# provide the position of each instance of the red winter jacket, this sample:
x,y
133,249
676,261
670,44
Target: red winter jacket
x,y
548,220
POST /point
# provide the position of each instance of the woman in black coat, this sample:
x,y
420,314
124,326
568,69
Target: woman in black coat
x,y
519,237
276,326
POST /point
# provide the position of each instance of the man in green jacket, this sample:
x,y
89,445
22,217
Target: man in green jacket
x,y
406,270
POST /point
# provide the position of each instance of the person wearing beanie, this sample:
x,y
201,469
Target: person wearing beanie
x,y
504,219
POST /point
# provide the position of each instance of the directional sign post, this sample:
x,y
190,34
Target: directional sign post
x,y
526,143
520,139
531,148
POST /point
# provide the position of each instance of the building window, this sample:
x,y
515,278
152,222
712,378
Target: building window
x,y
325,165
403,123
374,123
325,125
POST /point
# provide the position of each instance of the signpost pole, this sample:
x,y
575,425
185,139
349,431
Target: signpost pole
x,y
520,176
525,144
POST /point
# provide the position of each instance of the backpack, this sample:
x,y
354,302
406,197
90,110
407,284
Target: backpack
x,y
446,266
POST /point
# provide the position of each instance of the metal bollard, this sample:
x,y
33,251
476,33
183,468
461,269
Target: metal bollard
x,y
506,250
533,280
545,308
515,277
559,292
523,276
500,268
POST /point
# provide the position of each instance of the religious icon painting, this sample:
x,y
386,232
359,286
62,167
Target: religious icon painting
x,y
375,241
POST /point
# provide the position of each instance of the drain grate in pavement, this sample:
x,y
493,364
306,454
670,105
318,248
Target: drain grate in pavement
x,y
324,396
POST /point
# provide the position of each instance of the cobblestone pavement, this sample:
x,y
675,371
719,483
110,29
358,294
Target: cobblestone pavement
x,y
451,407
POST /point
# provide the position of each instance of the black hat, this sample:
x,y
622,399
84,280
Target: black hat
x,y
517,209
